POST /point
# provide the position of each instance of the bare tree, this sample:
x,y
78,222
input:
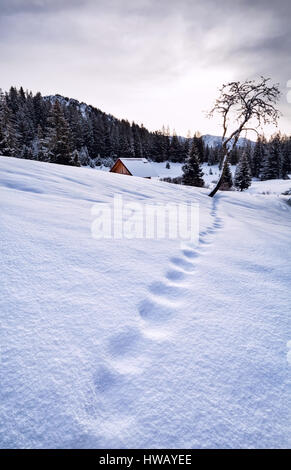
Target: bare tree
x,y
248,105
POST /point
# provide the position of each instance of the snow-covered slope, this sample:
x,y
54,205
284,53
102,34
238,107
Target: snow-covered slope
x,y
141,343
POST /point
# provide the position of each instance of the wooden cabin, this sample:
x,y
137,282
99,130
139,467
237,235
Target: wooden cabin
x,y
134,167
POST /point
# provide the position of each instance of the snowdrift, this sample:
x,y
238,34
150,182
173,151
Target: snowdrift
x,y
141,343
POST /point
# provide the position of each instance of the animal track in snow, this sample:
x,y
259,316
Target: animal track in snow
x,y
104,379
124,343
154,311
126,349
190,253
182,263
175,275
165,290
204,241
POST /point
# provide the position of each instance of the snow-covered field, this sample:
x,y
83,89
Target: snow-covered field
x,y
176,170
210,173
142,343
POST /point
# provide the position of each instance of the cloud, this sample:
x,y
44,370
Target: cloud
x,y
156,62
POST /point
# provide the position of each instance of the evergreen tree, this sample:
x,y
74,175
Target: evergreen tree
x,y
90,137
26,153
198,141
258,157
234,156
186,147
192,171
247,150
75,161
207,154
286,159
9,145
59,137
243,178
175,149
84,157
138,153
40,149
227,179
158,149
272,160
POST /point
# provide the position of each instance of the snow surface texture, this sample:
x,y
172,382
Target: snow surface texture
x,y
141,343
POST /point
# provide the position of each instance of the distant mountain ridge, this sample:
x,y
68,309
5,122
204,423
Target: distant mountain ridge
x,y
214,141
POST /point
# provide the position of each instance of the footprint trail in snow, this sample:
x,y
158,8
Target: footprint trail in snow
x,y
126,350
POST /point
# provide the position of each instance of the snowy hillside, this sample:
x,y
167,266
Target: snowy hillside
x,y
141,343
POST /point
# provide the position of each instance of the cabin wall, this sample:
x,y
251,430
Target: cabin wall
x,y
120,168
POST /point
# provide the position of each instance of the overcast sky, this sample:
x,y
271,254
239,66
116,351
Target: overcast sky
x,y
155,62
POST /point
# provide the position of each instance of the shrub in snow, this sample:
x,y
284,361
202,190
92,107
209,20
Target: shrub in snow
x,y
177,180
108,162
287,193
98,160
91,163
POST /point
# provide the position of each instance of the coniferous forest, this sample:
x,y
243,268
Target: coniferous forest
x,y
62,130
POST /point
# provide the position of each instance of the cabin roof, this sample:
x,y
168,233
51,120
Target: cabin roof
x,y
139,167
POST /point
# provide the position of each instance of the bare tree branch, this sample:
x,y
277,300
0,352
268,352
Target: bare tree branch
x,y
244,102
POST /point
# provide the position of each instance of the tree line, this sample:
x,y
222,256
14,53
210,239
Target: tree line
x,y
61,130
265,160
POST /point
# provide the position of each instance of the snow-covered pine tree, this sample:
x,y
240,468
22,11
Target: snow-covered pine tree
x,y
74,161
59,137
192,171
84,157
206,154
258,156
158,150
248,151
175,149
286,158
242,177
272,161
234,156
26,153
227,182
136,142
186,148
9,145
198,141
